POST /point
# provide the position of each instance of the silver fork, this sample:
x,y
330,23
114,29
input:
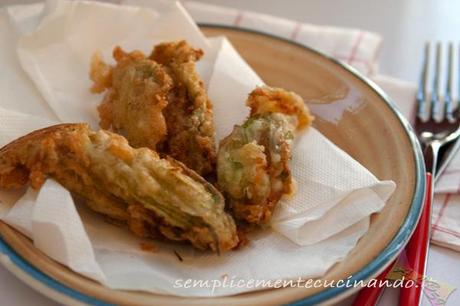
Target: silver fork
x,y
436,126
433,134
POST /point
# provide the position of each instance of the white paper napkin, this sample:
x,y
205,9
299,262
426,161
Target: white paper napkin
x,y
322,222
327,201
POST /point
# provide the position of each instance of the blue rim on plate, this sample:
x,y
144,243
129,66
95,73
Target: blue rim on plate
x,y
376,265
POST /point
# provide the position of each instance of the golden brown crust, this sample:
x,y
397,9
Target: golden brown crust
x,y
267,99
35,155
189,116
151,194
100,73
137,94
39,134
174,118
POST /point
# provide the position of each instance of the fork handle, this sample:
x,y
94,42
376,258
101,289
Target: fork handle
x,y
417,251
417,247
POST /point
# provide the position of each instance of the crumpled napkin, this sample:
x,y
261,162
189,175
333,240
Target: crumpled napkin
x,y
322,222
334,191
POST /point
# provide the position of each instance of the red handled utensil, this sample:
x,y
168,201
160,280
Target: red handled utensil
x,y
436,126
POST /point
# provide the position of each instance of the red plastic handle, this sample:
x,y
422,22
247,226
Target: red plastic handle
x,y
417,250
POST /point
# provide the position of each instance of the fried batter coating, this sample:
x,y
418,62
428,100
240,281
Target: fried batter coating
x,y
159,102
152,195
189,117
136,96
252,163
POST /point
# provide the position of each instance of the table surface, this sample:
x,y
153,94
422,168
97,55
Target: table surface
x,y
405,27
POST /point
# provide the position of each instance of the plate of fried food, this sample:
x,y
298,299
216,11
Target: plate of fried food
x,y
220,166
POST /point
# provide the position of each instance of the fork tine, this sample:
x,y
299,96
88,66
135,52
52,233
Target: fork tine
x,y
421,91
435,92
448,98
458,83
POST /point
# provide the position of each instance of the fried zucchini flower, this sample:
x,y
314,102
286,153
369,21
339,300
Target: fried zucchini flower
x,y
137,94
154,196
158,102
252,162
